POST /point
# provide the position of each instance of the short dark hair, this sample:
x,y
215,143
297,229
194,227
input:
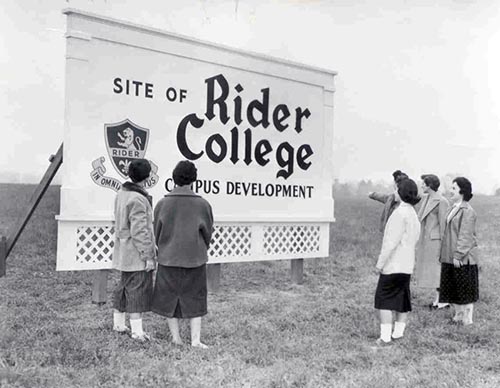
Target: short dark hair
x,y
408,191
184,173
138,170
465,187
431,181
398,175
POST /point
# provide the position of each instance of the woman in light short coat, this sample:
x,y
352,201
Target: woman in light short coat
x,y
396,262
459,254
432,216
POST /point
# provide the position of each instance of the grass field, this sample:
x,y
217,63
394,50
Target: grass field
x,y
263,330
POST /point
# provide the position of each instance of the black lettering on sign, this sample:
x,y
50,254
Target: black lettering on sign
x,y
248,145
220,100
133,87
181,136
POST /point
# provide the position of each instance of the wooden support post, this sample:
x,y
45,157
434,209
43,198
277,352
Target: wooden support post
x,y
55,162
297,270
3,255
213,277
100,287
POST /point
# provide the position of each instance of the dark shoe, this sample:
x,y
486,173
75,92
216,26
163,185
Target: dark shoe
x,y
141,338
381,344
120,330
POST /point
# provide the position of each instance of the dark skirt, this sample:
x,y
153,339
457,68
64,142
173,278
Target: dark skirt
x,y
134,292
459,285
180,292
393,292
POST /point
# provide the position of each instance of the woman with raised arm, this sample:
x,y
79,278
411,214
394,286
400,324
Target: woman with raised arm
x,y
390,201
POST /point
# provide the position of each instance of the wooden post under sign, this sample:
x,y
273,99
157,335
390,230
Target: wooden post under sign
x,y
100,287
297,270
213,277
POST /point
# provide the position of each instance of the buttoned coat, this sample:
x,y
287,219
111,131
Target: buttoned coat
x,y
397,254
432,216
183,225
459,239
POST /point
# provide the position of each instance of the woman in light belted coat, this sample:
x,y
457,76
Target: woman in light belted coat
x,y
432,216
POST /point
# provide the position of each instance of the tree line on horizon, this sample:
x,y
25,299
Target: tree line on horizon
x,y
364,186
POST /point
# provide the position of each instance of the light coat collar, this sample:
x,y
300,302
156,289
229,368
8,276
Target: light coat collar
x,y
433,200
463,205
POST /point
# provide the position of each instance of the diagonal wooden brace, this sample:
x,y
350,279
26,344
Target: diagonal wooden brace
x,y
7,244
3,255
55,162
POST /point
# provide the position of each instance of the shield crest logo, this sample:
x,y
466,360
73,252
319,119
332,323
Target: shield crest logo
x,y
125,142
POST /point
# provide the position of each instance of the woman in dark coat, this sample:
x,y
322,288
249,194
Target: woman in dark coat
x,y
459,254
183,223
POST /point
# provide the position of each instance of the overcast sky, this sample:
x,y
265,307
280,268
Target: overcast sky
x,y
418,87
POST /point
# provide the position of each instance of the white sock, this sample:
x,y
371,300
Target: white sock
x,y
385,331
136,326
459,312
469,310
118,321
399,329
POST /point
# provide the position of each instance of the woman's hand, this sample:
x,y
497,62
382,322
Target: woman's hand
x,y
150,265
457,263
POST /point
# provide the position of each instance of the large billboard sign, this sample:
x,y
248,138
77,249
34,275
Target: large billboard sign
x,y
259,129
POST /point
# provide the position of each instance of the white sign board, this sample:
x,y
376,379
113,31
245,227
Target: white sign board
x,y
260,131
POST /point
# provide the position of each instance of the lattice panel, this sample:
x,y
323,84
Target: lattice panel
x,y
230,241
291,239
94,244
